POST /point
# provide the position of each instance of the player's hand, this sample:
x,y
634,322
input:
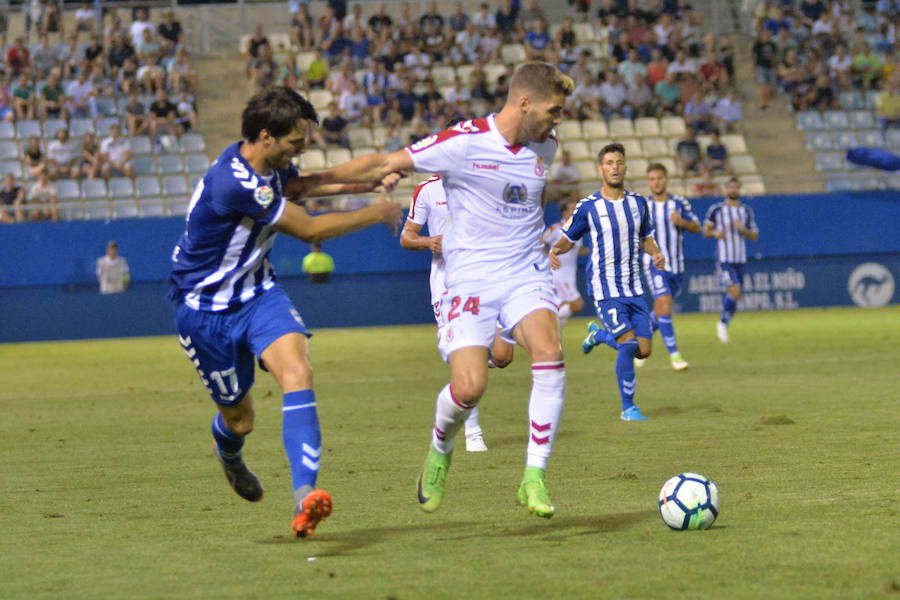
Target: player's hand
x,y
434,243
555,262
390,181
389,211
675,218
659,261
719,234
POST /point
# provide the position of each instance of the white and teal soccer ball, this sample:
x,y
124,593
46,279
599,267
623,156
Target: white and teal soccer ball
x,y
689,501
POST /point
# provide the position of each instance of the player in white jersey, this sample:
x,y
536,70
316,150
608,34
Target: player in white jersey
x,y
429,208
672,216
730,222
564,278
619,225
494,172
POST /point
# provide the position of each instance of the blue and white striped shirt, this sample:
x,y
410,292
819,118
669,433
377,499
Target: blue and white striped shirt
x,y
669,237
616,230
222,258
732,248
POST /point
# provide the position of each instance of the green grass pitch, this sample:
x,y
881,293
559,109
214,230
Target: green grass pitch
x,y
110,490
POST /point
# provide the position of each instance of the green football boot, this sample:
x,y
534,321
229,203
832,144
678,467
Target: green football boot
x,y
432,480
533,493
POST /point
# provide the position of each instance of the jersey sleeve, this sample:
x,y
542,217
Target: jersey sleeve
x,y
687,212
646,229
238,193
439,153
577,225
711,215
751,220
420,205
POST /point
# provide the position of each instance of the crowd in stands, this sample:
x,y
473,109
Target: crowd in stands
x,y
109,77
412,73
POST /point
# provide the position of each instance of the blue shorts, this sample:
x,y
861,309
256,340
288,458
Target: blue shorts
x,y
623,314
223,345
730,274
664,283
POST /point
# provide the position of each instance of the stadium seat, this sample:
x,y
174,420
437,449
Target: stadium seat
x,y
836,119
753,186
147,186
7,130
866,180
9,150
362,151
444,75
140,144
512,54
51,126
192,142
70,210
743,164
67,189
587,169
92,189
194,181
312,160
621,128
837,182
646,126
174,185
177,206
360,136
304,59
244,43
861,119
96,209
668,162
637,167
638,186
809,121
336,156
104,123
869,98
844,139
464,72
672,126
281,42
584,33
893,138
594,147
872,138
830,161
734,143
675,186
818,140
144,165
892,181
632,148
493,71
106,107
196,163
121,187
568,130
11,166
25,129
594,129
125,209
320,99
152,207
169,164
654,146
78,127
851,100
578,150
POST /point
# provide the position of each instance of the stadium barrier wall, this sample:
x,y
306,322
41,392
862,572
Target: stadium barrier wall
x,y
819,250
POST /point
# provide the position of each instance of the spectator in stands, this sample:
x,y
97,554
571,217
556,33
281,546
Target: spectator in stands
x,y
318,265
149,51
566,44
465,45
90,162
656,68
115,153
113,26
68,56
764,53
352,104
865,67
163,113
727,112
43,58
640,97
631,66
12,197
698,113
431,15
257,41
301,29
538,43
93,52
810,11
681,66
506,19
360,46
489,46
705,186
18,57
613,94
436,41
33,157
458,93
119,52
407,100
84,18
532,11
185,113
140,24
778,21
459,20
484,18
264,69
317,71
182,76
52,21
380,20
668,96
713,75
334,127
136,118
112,271
887,105
334,43
586,98
126,78
52,102
62,160
564,175
341,81
170,33
6,109
393,141
418,62
43,197
688,153
81,97
717,155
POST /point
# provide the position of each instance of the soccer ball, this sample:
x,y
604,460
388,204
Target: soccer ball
x,y
689,501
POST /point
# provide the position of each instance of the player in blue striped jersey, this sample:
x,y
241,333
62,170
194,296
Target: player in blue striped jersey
x,y
731,223
672,216
618,225
229,309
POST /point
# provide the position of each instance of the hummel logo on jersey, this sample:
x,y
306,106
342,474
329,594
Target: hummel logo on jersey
x,y
246,179
490,166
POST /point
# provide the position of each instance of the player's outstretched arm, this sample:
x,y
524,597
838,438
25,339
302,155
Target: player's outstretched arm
x,y
562,246
368,169
297,222
649,246
411,240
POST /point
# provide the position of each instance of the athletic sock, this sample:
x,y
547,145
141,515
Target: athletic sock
x,y
654,322
449,416
565,311
625,372
605,337
667,331
302,437
472,425
729,307
545,406
229,443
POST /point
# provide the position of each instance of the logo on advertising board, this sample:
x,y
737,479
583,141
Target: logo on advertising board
x,y
870,285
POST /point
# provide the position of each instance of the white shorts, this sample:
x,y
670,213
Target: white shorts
x,y
565,288
471,313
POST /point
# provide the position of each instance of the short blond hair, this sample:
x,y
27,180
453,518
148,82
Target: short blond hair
x,y
541,79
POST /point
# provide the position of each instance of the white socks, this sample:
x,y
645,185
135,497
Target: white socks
x,y
448,418
545,406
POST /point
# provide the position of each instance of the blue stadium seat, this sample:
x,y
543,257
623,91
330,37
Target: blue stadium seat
x,y
9,150
838,182
175,185
96,209
872,138
143,165
104,123
866,180
51,126
177,205
67,189
26,129
7,130
861,119
153,207
844,139
196,163
106,107
809,121
851,100
892,181
11,166
830,161
79,127
125,209
869,98
893,138
120,187
169,164
92,189
140,144
836,119
818,140
192,142
70,210
147,186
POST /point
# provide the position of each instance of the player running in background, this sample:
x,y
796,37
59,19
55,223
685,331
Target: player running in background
x,y
429,207
731,222
229,309
619,225
672,216
564,278
494,171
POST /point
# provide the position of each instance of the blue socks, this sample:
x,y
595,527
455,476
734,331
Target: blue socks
x,y
605,337
729,307
302,437
667,331
625,372
229,443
